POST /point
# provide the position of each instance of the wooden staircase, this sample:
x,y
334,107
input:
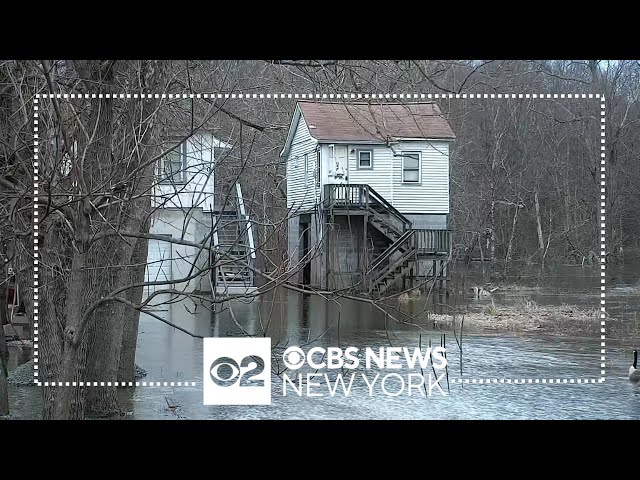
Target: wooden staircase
x,y
404,244
390,266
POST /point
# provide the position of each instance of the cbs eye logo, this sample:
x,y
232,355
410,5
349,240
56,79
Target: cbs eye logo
x,y
293,358
226,372
237,371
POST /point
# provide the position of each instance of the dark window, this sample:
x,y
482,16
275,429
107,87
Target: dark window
x,y
411,167
365,159
173,165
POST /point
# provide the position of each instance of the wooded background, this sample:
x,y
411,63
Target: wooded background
x,y
524,177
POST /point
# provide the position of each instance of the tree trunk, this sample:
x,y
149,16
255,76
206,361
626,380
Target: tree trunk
x,y
77,346
120,345
511,237
126,371
492,236
141,220
538,222
65,346
104,337
4,351
481,255
100,269
4,392
53,360
546,249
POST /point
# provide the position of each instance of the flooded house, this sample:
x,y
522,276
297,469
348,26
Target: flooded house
x,y
193,204
368,195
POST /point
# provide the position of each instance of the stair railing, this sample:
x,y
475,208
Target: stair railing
x,y
390,268
393,212
404,240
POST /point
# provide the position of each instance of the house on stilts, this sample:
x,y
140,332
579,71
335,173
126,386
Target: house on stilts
x,y
192,203
368,195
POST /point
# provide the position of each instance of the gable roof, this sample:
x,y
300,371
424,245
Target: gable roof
x,y
370,122
367,122
360,122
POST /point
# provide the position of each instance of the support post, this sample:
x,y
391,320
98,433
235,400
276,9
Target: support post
x,y
327,249
365,257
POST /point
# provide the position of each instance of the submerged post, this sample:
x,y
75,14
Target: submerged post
x,y
364,195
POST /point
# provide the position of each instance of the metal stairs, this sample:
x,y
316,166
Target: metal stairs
x,y
234,250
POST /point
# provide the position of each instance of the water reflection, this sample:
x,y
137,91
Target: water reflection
x,y
290,318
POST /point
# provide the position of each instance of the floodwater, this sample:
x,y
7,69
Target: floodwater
x,y
290,318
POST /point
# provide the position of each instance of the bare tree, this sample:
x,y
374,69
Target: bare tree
x,y
524,184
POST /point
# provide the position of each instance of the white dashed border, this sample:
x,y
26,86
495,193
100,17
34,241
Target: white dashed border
x,y
319,96
603,250
36,166
117,384
324,96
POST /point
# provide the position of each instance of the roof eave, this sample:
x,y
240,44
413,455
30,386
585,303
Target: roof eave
x,y
422,139
295,120
394,139
368,142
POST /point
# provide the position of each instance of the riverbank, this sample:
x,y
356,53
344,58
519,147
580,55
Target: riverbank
x,y
563,319
529,317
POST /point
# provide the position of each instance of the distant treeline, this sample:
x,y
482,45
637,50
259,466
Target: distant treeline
x,y
525,172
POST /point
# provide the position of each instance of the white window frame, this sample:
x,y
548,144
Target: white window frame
x,y
364,150
306,170
404,156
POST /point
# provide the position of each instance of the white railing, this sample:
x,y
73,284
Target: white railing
x,y
214,221
245,217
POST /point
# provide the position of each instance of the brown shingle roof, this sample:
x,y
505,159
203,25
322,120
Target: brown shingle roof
x,y
374,122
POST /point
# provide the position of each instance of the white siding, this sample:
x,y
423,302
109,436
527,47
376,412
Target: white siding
x,y
159,262
198,191
301,195
431,195
379,177
178,259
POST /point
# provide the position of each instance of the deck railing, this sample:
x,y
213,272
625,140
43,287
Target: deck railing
x,y
362,196
407,243
345,196
429,241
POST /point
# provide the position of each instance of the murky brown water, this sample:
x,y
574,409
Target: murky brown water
x,y
291,319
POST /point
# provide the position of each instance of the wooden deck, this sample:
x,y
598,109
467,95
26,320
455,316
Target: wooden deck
x,y
408,252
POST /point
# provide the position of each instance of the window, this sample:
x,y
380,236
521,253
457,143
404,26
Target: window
x,y
411,167
318,169
365,159
306,170
173,165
